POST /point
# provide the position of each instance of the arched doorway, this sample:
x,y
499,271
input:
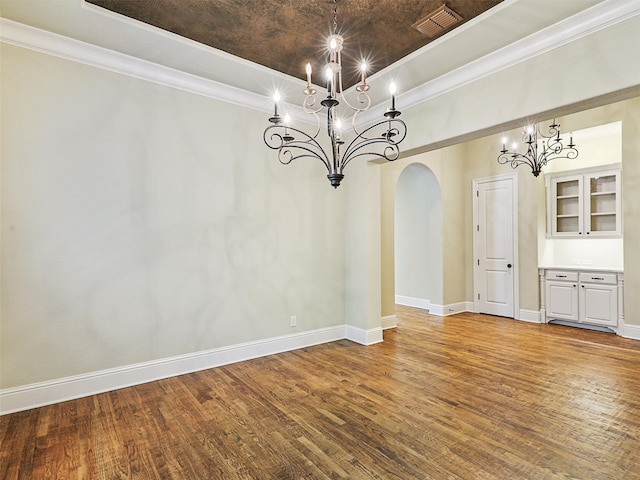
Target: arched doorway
x,y
418,239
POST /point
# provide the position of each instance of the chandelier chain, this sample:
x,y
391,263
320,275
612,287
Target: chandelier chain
x,y
335,16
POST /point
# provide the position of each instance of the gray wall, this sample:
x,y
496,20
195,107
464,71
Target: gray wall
x,y
141,222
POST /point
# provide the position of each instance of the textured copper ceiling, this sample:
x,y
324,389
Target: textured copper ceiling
x,y
286,34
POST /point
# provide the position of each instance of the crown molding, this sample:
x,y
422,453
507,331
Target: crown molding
x,y
25,36
587,22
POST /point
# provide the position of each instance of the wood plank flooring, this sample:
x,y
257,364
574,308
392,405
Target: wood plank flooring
x,y
462,397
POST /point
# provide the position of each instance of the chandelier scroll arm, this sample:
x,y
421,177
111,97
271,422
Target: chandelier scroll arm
x,y
517,159
362,97
390,153
391,149
286,144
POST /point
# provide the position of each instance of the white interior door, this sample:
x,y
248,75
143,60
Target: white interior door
x,y
494,246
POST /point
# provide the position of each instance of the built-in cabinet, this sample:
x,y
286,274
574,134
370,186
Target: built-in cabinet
x,y
562,295
582,297
584,203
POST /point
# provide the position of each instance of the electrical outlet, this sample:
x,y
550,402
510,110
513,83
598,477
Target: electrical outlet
x,y
293,321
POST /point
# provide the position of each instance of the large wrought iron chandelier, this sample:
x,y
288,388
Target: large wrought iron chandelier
x,y
379,140
536,159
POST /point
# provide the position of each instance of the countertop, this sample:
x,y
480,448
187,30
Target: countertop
x,y
581,268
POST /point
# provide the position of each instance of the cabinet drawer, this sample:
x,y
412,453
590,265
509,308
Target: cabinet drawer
x,y
604,278
562,275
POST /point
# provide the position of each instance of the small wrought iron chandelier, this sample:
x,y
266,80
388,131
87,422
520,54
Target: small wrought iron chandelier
x,y
293,143
552,149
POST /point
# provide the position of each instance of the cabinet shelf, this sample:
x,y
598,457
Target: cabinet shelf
x,y
602,214
565,197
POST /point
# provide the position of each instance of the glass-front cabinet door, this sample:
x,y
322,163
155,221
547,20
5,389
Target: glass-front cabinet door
x,y
567,217
584,203
603,204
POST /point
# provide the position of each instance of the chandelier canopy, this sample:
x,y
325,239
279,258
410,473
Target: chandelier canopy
x,y
552,149
379,140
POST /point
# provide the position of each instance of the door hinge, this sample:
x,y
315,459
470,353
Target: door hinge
x,y
477,193
478,296
477,228
478,262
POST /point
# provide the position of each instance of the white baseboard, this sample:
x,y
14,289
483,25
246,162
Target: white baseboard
x,y
449,309
363,337
532,316
630,331
390,321
413,302
69,388
435,309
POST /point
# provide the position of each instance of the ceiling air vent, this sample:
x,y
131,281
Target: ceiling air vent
x,y
437,22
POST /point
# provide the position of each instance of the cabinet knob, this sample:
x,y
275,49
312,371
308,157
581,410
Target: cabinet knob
x,y
508,265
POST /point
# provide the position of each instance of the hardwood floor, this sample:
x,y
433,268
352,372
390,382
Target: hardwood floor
x,y
462,397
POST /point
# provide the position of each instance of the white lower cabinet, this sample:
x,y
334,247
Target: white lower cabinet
x,y
598,299
563,300
592,298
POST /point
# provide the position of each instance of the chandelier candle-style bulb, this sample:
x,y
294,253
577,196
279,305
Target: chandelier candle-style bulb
x,y
392,91
338,128
276,119
309,90
392,112
287,121
292,143
329,74
335,47
363,87
531,128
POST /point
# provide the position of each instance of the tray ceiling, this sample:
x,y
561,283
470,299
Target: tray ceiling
x,y
284,34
